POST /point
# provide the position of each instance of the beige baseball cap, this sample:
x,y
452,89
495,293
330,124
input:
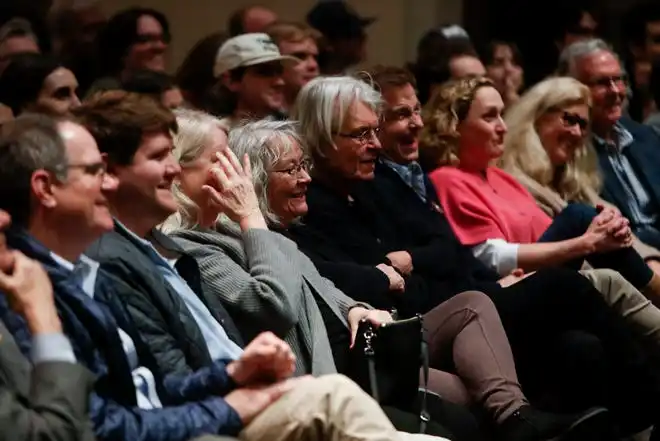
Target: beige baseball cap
x,y
248,50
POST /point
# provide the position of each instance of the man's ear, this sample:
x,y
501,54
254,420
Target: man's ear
x,y
41,185
229,83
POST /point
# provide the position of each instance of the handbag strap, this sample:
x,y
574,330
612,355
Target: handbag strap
x,y
424,416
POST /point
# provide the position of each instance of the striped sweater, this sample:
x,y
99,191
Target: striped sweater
x,y
267,284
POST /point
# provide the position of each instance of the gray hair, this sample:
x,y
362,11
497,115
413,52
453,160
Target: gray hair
x,y
29,143
17,27
322,106
264,142
573,53
189,143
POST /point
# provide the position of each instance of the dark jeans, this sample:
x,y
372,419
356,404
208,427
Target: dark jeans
x,y
573,222
540,312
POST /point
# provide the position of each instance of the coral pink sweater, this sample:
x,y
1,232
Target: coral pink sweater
x,y
494,206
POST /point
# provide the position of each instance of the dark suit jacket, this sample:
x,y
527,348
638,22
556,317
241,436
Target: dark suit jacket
x,y
44,403
384,216
159,313
644,157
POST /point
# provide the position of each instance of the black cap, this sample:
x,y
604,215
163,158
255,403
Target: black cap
x,y
336,19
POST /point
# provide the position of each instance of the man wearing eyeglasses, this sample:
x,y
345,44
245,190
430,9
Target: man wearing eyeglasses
x,y
628,153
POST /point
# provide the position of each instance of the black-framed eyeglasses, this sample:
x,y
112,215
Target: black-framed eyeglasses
x,y
297,169
571,119
363,136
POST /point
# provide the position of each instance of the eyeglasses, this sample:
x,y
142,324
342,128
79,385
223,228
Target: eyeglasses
x,y
571,120
268,70
607,82
297,169
363,136
94,169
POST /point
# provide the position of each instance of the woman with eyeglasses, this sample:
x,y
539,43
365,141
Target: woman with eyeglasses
x,y
134,39
490,211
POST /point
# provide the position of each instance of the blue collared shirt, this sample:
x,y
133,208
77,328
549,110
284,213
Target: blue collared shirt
x,y
411,174
86,270
220,346
639,201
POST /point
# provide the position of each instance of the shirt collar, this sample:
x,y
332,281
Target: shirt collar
x,y
623,138
148,247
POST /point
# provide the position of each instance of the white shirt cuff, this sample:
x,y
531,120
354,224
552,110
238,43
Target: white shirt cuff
x,y
498,254
51,347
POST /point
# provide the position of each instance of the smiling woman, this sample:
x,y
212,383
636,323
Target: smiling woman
x,y
38,83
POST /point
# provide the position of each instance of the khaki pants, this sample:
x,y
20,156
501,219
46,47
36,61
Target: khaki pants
x,y
328,408
624,298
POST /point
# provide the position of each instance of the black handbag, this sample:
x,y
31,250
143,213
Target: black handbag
x,y
385,362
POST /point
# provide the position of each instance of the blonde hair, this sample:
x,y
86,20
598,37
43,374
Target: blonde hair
x,y
293,32
524,155
448,106
190,141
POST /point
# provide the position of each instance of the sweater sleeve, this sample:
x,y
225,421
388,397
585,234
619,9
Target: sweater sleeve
x,y
268,289
471,220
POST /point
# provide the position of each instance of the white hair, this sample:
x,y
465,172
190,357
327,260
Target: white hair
x,y
573,53
264,142
322,106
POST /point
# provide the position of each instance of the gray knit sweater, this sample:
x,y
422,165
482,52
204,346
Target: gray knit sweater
x,y
267,284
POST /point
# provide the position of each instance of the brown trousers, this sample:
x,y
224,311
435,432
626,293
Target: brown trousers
x,y
466,336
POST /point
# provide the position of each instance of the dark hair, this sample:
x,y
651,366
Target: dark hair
x,y
29,143
236,21
120,33
434,52
118,120
634,27
487,51
22,80
567,16
195,75
38,26
654,83
383,76
148,82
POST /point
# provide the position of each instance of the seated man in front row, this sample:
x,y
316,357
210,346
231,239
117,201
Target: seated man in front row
x,y
47,402
53,183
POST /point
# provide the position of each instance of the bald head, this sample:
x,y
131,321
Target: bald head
x,y
251,20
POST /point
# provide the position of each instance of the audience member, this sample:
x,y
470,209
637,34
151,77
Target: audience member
x,y
49,400
250,69
75,31
38,83
133,39
158,85
435,51
626,150
504,66
16,37
250,20
302,42
195,75
344,35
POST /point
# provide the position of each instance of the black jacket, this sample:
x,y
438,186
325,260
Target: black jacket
x,y
159,313
386,215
